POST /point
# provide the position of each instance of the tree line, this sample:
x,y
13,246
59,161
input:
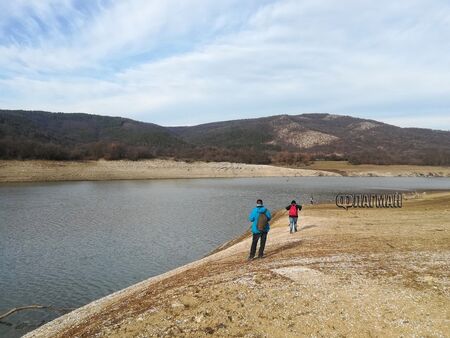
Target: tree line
x,y
31,150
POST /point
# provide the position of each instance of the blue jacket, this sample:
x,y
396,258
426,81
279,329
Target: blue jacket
x,y
254,218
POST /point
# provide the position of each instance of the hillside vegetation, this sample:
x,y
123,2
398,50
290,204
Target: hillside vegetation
x,y
283,139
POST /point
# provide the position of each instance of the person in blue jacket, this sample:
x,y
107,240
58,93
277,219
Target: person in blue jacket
x,y
254,215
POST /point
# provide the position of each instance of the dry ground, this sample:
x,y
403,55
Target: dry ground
x,y
346,169
41,171
362,272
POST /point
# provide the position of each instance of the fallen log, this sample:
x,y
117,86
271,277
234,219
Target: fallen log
x,y
34,306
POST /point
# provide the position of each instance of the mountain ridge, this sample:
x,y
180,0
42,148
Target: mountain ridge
x,y
279,139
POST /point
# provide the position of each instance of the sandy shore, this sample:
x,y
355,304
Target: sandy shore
x,y
346,169
361,272
44,171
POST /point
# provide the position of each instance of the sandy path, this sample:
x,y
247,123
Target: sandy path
x,y
362,272
38,171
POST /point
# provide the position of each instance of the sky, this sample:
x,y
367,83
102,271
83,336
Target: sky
x,y
194,61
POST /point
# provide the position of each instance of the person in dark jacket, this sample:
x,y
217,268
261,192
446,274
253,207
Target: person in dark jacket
x,y
293,208
257,234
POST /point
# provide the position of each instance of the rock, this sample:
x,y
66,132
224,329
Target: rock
x,y
152,310
209,330
189,301
198,318
177,306
240,296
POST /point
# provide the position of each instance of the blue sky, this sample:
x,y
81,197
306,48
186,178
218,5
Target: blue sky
x,y
189,62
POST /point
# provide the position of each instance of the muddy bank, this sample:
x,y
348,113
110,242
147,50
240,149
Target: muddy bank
x,y
361,272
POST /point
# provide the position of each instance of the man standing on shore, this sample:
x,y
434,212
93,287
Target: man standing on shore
x,y
260,217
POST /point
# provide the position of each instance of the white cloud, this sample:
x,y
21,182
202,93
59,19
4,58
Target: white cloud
x,y
191,62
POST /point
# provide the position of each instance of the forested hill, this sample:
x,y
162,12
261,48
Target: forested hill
x,y
281,139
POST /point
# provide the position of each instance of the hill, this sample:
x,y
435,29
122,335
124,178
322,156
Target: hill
x,y
326,136
59,136
281,139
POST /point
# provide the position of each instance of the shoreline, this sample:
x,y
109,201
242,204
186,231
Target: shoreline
x,y
14,171
55,171
337,254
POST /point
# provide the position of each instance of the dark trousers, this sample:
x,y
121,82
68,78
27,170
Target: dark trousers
x,y
262,244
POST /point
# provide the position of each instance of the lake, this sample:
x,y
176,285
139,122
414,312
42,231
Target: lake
x,y
67,244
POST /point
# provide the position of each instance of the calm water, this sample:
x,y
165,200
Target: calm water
x,y
66,244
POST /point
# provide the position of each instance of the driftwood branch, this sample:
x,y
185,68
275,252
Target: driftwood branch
x,y
28,307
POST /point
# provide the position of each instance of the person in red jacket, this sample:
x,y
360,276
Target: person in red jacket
x,y
293,209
